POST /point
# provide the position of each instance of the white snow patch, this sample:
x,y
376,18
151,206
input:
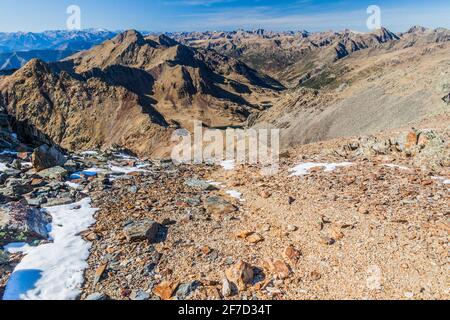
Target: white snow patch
x,y
442,179
89,153
124,156
54,271
235,194
126,170
17,247
73,185
304,168
228,165
3,167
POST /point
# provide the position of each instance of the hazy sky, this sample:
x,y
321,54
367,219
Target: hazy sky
x,y
188,15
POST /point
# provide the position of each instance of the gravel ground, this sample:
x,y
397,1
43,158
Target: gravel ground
x,y
366,231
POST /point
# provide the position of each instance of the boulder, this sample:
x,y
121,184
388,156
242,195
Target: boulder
x,y
139,295
184,290
21,223
46,157
277,268
145,229
96,296
241,274
17,187
4,257
199,185
54,173
218,206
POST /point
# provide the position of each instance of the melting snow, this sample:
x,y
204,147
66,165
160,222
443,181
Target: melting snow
x,y
89,153
73,185
54,271
228,165
304,168
138,168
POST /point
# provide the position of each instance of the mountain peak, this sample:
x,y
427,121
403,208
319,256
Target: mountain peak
x,y
417,29
129,36
385,35
36,65
166,41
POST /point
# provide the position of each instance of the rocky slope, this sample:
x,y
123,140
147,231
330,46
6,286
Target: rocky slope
x,y
131,91
374,228
369,91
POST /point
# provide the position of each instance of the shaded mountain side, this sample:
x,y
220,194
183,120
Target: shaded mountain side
x,y
77,114
368,92
15,60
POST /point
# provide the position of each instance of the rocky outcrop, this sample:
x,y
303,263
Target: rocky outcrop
x,y
426,148
21,223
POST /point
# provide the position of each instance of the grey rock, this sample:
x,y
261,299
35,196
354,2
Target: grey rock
x,y
36,202
3,178
56,173
16,164
446,98
4,199
142,230
17,187
13,172
46,157
97,296
184,290
199,185
72,166
21,223
139,295
133,189
60,201
218,206
4,257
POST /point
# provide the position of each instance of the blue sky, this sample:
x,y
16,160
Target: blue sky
x,y
188,15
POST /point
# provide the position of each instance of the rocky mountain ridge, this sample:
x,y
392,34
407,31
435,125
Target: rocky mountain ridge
x,y
287,56
130,87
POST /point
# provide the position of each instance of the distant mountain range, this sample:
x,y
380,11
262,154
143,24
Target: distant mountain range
x,y
17,48
53,40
